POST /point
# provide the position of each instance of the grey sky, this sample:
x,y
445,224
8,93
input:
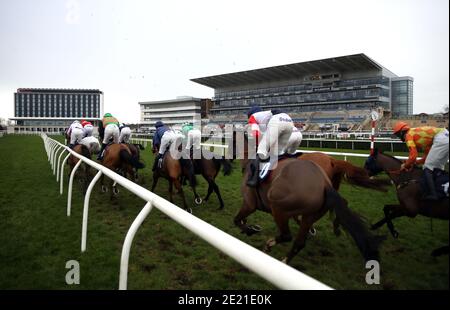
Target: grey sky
x,y
148,50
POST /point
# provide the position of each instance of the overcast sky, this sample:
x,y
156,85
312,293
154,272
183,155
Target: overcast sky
x,y
148,50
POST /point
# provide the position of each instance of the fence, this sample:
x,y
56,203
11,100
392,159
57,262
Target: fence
x,y
277,273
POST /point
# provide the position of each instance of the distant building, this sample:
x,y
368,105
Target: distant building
x,y
52,110
334,90
172,112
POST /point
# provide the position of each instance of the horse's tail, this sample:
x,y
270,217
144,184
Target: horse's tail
x,y
358,176
367,243
191,172
140,146
226,166
85,151
126,157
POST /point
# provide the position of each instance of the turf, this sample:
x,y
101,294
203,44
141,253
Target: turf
x,y
37,238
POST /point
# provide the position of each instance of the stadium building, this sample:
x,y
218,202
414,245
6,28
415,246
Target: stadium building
x,y
340,90
173,112
53,110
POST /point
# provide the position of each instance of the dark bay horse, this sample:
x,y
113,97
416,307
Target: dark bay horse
x,y
172,171
409,194
209,169
135,149
118,158
72,161
285,197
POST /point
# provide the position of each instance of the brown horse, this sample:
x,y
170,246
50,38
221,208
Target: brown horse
x,y
118,158
285,197
409,194
72,161
172,171
209,169
135,149
335,170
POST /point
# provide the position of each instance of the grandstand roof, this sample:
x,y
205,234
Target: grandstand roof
x,y
356,62
58,90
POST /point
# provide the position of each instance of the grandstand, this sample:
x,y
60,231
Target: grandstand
x,y
340,91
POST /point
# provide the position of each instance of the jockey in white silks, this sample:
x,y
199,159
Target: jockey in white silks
x,y
92,144
275,128
87,128
125,133
294,141
76,133
163,138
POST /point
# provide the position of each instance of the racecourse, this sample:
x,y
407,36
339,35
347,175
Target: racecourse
x,y
37,238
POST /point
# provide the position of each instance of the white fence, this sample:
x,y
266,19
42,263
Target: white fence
x,y
274,271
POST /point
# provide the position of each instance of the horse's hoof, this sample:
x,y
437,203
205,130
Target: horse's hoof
x,y
189,210
104,189
269,244
312,231
116,191
395,234
284,260
198,201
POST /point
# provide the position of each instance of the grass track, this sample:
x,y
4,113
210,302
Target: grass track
x,y
37,239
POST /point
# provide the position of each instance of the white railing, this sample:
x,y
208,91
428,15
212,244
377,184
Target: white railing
x,y
222,146
274,271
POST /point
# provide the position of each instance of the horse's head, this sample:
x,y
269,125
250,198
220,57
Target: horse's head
x,y
371,165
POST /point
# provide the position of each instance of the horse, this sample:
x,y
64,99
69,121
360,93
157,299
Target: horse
x,y
118,158
73,160
409,194
335,170
285,197
135,149
172,170
209,169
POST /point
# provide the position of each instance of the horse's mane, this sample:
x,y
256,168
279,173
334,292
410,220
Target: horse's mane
x,y
390,156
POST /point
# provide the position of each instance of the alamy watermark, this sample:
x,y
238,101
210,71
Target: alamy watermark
x,y
73,275
373,275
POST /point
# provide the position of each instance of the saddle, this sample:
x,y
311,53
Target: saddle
x,y
441,183
266,170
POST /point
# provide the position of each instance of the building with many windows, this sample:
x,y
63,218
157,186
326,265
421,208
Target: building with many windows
x,y
172,112
52,110
334,90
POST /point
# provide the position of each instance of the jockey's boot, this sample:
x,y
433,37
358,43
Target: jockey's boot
x,y
253,177
100,154
432,194
155,163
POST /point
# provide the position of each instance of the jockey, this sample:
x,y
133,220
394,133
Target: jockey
x,y
125,133
160,132
294,141
87,128
193,135
276,128
433,142
108,130
76,133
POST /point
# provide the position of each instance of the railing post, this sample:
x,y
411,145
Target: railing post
x,y
61,179
85,211
124,259
69,191
59,163
55,158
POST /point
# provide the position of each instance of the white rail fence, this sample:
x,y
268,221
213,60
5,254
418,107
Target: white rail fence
x,y
222,148
274,271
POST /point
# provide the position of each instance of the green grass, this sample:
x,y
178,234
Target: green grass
x,y
37,238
